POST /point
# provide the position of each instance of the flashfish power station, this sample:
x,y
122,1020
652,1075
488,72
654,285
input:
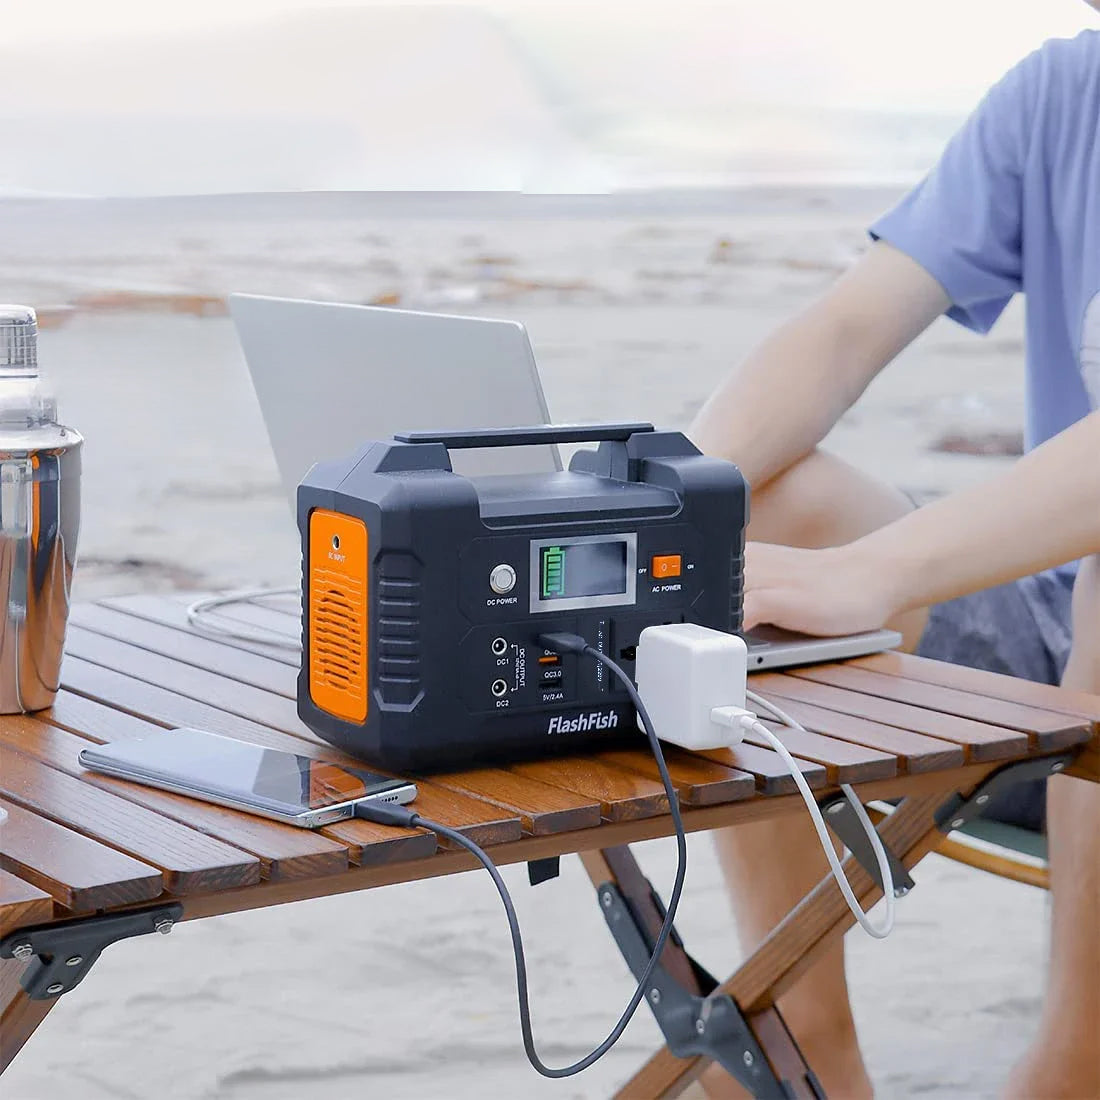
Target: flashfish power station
x,y
425,592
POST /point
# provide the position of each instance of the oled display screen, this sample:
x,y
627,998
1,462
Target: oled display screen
x,y
576,570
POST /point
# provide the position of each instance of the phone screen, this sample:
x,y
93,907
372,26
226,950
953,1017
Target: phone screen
x,y
248,773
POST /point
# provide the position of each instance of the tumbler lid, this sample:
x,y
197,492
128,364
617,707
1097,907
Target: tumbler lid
x,y
18,340
28,411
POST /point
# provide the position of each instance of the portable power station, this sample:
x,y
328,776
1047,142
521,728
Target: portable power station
x,y
424,592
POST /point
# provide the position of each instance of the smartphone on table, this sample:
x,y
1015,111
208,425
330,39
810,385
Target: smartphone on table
x,y
298,790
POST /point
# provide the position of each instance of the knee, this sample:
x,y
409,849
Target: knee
x,y
793,508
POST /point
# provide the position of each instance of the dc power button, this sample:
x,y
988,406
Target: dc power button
x,y
502,579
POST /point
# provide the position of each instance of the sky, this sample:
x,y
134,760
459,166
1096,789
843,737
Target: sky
x,y
937,55
149,97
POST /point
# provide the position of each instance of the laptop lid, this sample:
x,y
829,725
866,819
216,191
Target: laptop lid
x,y
329,377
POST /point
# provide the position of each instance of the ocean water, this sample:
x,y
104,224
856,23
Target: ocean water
x,y
132,155
77,155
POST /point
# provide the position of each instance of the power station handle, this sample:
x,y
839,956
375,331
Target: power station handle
x,y
528,437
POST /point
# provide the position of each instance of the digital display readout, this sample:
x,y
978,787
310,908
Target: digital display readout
x,y
570,571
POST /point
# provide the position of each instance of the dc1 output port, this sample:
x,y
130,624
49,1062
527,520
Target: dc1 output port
x,y
499,688
500,647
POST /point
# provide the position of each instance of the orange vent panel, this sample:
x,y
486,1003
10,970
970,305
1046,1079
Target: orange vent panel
x,y
338,578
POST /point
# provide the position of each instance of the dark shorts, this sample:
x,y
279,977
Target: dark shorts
x,y
1020,629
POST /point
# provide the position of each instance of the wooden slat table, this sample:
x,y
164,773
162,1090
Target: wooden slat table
x,y
76,846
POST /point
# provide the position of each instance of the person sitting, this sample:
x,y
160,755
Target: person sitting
x,y
1004,576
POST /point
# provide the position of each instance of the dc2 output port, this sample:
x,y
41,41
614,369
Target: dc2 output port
x,y
500,647
499,688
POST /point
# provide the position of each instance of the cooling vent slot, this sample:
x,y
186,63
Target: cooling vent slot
x,y
338,630
338,615
398,603
737,572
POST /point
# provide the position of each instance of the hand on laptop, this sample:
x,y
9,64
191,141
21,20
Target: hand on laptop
x,y
1040,512
826,592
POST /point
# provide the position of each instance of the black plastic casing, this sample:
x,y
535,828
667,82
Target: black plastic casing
x,y
434,537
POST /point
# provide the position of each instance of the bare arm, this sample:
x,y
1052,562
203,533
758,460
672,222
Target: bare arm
x,y
782,401
1042,511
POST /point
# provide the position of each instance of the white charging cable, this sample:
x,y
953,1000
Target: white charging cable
x,y
738,717
199,617
693,681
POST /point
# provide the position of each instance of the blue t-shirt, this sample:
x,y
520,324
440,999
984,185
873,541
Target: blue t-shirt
x,y
1014,205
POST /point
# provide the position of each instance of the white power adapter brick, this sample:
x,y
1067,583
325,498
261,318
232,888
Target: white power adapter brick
x,y
684,672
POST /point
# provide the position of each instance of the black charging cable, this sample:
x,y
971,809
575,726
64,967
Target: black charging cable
x,y
384,813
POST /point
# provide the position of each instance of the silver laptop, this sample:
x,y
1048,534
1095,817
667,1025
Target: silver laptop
x,y
330,376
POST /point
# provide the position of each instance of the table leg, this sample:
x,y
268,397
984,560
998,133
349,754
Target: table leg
x,y
19,1015
791,949
618,867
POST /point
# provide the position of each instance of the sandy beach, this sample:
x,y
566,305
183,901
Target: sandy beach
x,y
636,307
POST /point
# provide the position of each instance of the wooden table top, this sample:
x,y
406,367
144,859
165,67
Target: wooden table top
x,y
76,843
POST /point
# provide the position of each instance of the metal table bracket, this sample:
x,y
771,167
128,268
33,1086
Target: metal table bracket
x,y
841,818
711,1025
957,811
61,954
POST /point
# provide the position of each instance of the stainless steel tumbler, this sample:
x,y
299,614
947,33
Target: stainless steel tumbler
x,y
39,521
